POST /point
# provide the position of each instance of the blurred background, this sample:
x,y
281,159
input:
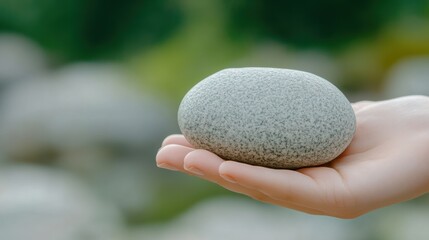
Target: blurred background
x,y
88,90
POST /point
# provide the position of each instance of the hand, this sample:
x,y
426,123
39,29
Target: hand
x,y
387,162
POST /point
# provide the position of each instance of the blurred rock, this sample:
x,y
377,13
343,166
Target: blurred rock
x,y
403,221
128,184
39,203
408,77
19,58
85,118
78,109
239,219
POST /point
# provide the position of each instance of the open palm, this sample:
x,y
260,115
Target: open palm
x,y
386,162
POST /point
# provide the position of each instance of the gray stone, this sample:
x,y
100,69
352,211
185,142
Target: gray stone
x,y
44,203
408,77
229,218
79,110
20,59
270,117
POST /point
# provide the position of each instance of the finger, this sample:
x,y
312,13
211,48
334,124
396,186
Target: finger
x,y
203,163
287,185
171,157
176,139
206,165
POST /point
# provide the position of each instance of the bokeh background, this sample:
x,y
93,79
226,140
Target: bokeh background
x,y
88,90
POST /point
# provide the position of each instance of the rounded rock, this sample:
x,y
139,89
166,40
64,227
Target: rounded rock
x,y
277,118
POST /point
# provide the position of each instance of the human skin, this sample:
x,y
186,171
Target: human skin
x,y
387,162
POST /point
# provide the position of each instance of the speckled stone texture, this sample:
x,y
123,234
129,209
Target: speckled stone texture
x,y
277,118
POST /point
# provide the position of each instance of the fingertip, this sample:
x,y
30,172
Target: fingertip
x,y
170,139
232,166
192,155
172,155
167,147
195,157
189,159
200,153
160,155
225,166
203,162
228,170
175,139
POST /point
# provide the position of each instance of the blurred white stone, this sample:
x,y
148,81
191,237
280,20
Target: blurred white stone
x,y
40,203
87,119
19,58
128,184
79,107
404,221
238,219
408,77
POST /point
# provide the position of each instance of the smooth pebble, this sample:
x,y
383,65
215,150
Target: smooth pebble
x,y
277,118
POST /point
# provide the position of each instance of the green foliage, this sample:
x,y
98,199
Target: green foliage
x,y
305,23
80,29
200,47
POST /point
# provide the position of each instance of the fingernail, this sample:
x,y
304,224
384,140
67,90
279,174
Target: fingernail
x,y
195,171
167,166
229,178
